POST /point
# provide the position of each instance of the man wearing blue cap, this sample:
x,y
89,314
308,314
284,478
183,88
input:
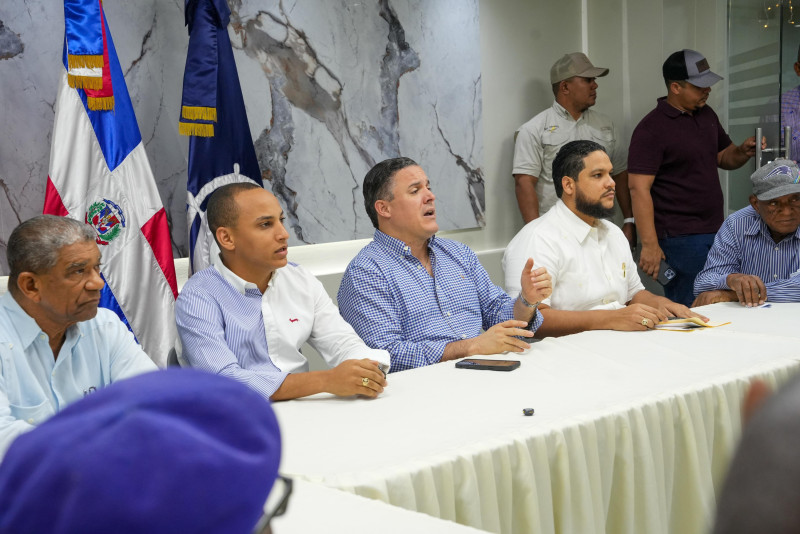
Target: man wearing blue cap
x,y
756,253
56,346
175,451
672,163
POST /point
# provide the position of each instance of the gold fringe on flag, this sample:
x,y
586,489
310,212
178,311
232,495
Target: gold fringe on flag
x,y
105,103
194,113
196,129
85,82
85,62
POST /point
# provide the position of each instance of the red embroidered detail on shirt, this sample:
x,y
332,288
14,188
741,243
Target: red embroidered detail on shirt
x,y
293,320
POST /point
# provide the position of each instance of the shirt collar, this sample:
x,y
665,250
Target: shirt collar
x,y
563,113
572,224
26,327
241,285
671,111
395,245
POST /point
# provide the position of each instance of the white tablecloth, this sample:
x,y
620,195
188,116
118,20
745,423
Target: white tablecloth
x,y
632,432
316,509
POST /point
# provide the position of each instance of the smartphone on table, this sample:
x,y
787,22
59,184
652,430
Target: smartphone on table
x,y
490,365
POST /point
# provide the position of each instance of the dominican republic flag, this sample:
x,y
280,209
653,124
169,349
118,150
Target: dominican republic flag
x,y
99,173
212,112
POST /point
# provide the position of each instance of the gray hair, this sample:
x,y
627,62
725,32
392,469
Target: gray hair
x,y
34,245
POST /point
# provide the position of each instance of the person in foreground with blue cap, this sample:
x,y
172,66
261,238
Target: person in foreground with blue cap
x,y
174,451
756,253
56,346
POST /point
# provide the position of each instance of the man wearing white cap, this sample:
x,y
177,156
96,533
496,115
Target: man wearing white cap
x,y
674,154
570,118
756,253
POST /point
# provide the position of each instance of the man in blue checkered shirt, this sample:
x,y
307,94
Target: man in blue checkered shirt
x,y
756,253
424,298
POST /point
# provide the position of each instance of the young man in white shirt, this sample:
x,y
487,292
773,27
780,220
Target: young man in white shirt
x,y
247,315
595,283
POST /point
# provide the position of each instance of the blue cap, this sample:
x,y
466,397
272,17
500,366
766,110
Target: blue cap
x,y
165,452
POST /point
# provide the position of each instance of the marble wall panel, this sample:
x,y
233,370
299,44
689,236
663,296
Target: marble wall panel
x,y
331,87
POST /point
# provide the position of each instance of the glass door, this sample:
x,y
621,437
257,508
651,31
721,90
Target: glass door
x,y
763,39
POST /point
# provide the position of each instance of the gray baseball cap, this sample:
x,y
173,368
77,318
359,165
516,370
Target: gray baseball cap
x,y
574,64
691,66
776,179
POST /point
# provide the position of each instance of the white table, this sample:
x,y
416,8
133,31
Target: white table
x,y
777,320
632,432
319,509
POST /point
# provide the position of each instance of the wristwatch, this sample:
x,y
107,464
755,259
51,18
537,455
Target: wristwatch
x,y
533,305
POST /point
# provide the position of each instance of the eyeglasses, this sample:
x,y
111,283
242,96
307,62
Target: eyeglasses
x,y
277,502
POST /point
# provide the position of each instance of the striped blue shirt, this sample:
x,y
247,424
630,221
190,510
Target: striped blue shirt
x,y
222,331
744,245
227,326
393,304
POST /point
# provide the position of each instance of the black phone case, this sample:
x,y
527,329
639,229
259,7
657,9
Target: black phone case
x,y
665,273
472,364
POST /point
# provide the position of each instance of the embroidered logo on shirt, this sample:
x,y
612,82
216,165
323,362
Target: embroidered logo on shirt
x,y
551,129
293,320
90,390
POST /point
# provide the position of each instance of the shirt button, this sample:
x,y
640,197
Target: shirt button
x,y
776,249
30,421
448,314
774,276
463,337
42,336
10,345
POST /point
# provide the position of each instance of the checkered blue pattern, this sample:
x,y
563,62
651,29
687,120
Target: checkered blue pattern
x,y
744,245
393,304
222,332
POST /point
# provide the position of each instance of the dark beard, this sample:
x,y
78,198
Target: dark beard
x,y
595,210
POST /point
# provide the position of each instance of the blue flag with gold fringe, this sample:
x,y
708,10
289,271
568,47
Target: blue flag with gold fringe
x,y
212,112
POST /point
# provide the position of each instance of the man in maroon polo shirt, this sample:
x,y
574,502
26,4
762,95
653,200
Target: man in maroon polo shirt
x,y
672,164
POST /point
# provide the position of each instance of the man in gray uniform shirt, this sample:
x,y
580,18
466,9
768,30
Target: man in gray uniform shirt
x,y
570,118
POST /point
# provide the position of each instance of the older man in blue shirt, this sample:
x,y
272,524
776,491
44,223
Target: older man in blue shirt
x,y
756,253
424,298
56,346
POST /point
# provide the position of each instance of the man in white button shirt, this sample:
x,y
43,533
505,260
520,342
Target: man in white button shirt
x,y
595,283
573,78
56,346
248,315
